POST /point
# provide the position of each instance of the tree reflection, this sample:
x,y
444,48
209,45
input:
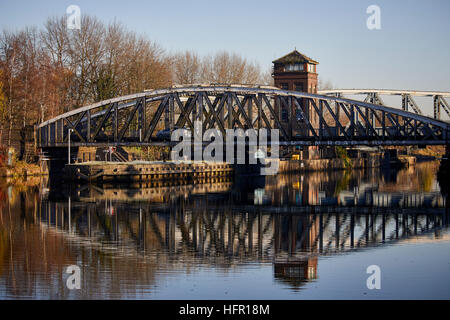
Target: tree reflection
x,y
127,240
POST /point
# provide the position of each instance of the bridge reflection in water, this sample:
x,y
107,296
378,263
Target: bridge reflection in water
x,y
286,220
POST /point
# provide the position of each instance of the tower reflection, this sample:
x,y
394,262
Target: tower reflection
x,y
288,221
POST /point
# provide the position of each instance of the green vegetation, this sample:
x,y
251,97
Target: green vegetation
x,y
342,184
341,153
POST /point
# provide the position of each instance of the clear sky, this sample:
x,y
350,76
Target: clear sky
x,y
410,51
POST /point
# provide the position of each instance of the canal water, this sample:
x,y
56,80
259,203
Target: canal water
x,y
297,236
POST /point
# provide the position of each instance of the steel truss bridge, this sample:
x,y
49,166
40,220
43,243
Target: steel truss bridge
x,y
301,118
408,103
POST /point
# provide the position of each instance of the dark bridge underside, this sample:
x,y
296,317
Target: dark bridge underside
x,y
301,118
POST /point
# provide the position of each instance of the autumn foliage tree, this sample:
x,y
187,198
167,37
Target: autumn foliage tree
x,y
54,70
3,110
48,71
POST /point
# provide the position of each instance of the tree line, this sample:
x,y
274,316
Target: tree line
x,y
50,70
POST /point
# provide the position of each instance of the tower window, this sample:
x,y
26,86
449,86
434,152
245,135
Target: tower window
x,y
298,86
293,67
284,86
311,68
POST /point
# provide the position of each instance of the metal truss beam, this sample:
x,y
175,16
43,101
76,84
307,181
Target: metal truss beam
x,y
135,119
373,96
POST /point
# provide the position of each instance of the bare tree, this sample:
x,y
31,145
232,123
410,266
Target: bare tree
x,y
227,68
186,68
3,108
55,57
85,54
267,78
324,85
9,66
55,39
145,65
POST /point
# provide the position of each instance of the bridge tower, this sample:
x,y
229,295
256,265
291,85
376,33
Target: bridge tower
x,y
296,72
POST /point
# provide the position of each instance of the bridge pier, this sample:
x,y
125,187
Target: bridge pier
x,y
443,174
56,158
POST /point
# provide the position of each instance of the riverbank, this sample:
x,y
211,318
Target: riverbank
x,y
21,171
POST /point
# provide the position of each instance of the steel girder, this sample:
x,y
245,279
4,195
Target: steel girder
x,y
373,96
301,118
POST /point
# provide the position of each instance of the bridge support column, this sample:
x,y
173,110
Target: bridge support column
x,y
56,159
443,175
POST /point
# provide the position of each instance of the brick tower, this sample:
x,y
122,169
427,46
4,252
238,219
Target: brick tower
x,y
296,72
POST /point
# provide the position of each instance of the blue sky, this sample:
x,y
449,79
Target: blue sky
x,y
411,51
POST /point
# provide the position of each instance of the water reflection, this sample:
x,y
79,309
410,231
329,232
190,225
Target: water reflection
x,y
127,240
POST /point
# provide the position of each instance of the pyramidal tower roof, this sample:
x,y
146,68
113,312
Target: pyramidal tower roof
x,y
295,57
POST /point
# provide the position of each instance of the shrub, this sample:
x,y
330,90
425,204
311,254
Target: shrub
x,y
341,153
